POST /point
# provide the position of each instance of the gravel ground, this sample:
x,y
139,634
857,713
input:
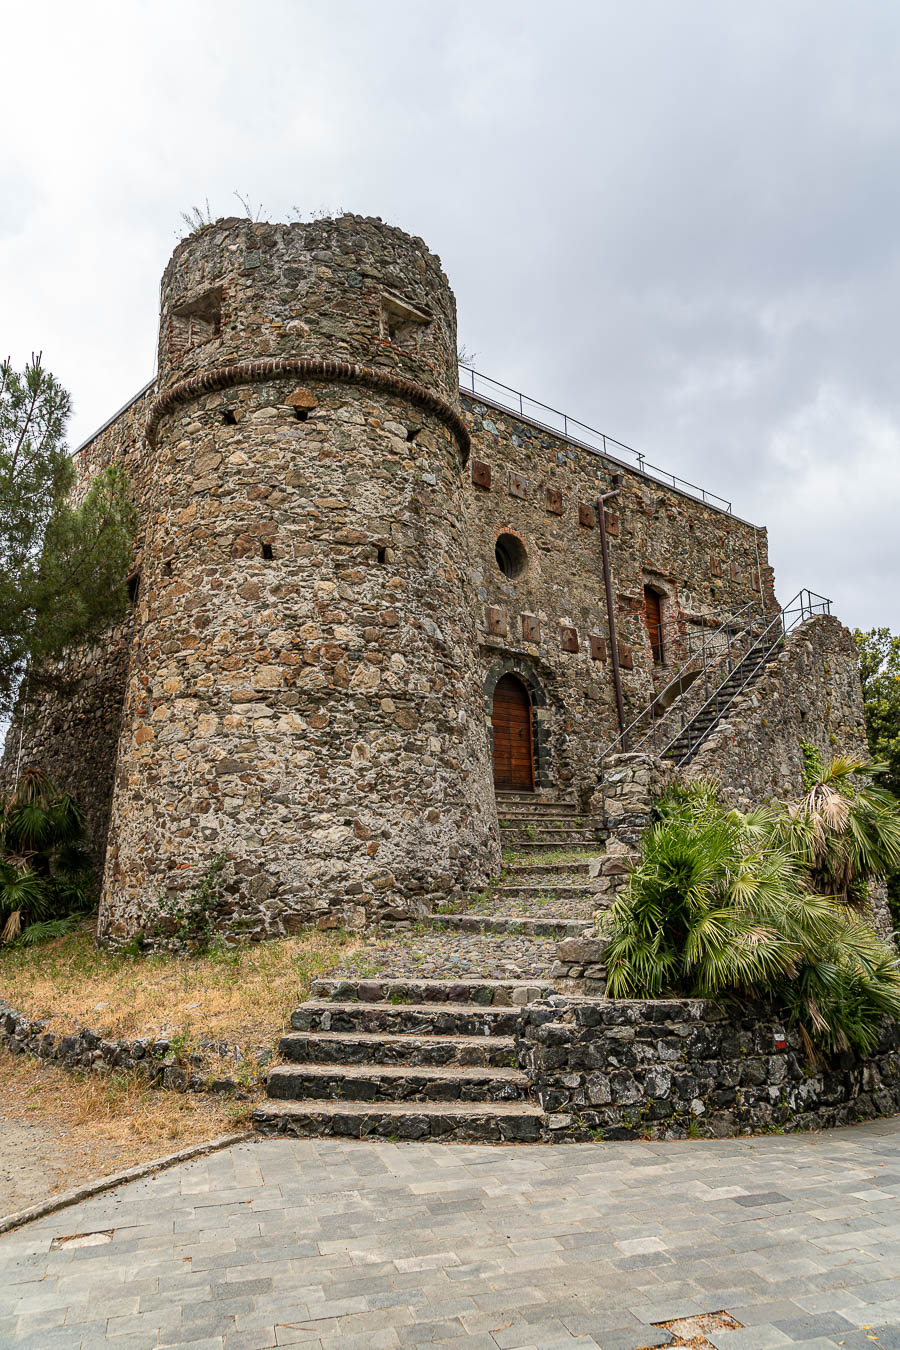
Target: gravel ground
x,y
435,956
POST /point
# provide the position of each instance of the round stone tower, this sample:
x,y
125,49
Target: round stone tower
x,y
303,697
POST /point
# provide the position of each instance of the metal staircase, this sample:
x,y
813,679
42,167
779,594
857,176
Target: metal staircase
x,y
723,662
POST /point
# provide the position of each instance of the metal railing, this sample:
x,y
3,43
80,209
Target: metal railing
x,y
759,639
586,437
707,649
804,605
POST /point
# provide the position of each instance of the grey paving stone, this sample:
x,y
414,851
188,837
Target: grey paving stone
x,y
812,1325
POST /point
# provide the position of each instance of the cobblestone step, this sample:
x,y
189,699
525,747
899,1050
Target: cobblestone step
x,y
431,1019
538,890
530,926
538,846
394,1083
540,798
348,1047
505,993
551,837
474,1122
523,869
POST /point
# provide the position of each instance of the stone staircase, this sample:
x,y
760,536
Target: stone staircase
x,y
396,1056
744,676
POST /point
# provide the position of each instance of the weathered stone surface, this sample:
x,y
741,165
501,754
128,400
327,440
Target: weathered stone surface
x,y
668,1068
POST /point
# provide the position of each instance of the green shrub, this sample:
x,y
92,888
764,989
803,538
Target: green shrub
x,y
722,903
45,872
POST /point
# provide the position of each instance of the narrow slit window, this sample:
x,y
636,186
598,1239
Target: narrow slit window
x,y
266,550
134,588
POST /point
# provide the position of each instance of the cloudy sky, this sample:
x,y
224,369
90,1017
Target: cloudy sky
x,y
676,220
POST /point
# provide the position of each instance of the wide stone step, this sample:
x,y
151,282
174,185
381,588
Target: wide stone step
x,y
469,1123
537,846
431,1019
504,993
359,1047
526,869
395,1083
516,811
541,798
509,923
538,891
555,837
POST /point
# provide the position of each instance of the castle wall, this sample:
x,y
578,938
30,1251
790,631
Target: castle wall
x,y
303,680
551,620
810,692
306,681
68,716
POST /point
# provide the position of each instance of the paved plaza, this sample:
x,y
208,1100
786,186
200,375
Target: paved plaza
x,y
320,1243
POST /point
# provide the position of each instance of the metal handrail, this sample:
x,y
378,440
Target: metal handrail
x,y
707,652
804,605
507,399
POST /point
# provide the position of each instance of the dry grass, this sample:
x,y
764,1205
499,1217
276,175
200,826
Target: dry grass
x,y
58,1128
242,996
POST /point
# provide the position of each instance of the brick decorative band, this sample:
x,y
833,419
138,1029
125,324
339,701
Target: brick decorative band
x,y
308,368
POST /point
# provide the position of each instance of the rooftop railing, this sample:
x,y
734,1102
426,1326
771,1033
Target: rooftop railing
x,y
486,390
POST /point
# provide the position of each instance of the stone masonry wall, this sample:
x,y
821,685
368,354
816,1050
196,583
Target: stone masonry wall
x,y
809,692
68,716
665,1069
549,623
303,694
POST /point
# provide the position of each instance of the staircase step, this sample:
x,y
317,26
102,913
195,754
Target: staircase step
x,y
587,846
510,923
471,1123
539,890
395,1083
551,835
431,1019
540,798
546,869
359,1047
504,993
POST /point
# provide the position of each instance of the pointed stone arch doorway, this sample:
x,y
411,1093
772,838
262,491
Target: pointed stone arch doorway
x,y
512,736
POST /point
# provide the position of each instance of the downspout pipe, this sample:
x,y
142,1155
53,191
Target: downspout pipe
x,y
611,615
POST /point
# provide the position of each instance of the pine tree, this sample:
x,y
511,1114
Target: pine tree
x,y
63,564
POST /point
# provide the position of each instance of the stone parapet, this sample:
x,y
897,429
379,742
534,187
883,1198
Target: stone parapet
x,y
667,1069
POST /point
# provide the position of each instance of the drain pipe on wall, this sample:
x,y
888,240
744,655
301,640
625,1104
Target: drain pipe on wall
x,y
611,612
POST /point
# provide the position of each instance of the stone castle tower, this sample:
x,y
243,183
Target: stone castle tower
x,y
303,667
365,600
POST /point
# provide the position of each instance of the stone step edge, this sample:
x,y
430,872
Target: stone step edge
x,y
353,1005
433,1073
390,984
504,922
391,1037
416,1119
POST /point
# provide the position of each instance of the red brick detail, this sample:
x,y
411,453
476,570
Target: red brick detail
x,y
307,368
570,639
481,473
598,647
555,501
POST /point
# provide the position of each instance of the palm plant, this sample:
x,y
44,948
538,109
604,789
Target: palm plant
x,y
721,903
845,829
45,873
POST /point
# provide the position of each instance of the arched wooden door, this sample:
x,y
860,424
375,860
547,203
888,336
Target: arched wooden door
x,y
511,722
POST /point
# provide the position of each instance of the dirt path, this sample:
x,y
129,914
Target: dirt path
x,y
58,1129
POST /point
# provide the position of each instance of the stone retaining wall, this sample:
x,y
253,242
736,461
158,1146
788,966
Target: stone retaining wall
x,y
151,1057
670,1069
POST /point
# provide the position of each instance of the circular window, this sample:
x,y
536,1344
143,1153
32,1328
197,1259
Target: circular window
x,y
511,556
